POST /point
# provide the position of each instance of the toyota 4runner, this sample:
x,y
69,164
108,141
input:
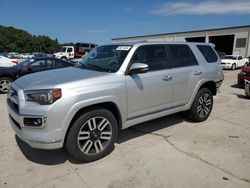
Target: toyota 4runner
x,y
114,87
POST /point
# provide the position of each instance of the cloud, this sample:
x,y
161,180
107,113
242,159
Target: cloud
x,y
205,7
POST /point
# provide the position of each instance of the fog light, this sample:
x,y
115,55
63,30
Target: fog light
x,y
33,122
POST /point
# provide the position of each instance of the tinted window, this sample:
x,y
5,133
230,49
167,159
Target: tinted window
x,y
240,58
42,65
182,55
208,53
69,50
154,56
60,64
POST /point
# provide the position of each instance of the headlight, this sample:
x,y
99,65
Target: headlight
x,y
243,73
44,96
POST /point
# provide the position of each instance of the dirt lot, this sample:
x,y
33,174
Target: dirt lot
x,y
168,152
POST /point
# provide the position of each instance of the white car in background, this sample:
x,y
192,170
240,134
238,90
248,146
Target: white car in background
x,y
233,62
26,56
7,62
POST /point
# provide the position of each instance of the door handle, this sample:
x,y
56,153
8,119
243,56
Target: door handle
x,y
198,72
167,78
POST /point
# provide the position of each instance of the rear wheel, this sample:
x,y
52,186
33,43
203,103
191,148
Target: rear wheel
x,y
4,84
92,135
202,105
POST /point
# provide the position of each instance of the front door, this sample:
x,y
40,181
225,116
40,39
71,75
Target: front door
x,y
149,92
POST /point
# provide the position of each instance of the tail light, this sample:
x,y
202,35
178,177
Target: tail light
x,y
14,62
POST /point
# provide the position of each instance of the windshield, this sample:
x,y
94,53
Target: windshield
x,y
229,57
63,49
106,58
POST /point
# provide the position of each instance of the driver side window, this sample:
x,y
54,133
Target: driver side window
x,y
154,56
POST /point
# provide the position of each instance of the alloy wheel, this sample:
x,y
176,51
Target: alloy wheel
x,y
4,85
204,105
94,135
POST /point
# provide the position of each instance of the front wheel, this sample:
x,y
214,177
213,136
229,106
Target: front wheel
x,y
4,84
234,66
202,105
92,135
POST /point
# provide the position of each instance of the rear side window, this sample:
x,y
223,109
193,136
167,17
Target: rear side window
x,y
182,55
208,53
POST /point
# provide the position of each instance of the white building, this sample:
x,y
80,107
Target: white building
x,y
231,40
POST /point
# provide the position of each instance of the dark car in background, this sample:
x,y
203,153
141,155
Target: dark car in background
x,y
9,74
244,75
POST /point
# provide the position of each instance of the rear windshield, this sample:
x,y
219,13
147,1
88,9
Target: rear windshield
x,y
230,57
208,53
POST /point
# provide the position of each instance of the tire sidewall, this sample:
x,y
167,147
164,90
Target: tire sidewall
x,y
71,140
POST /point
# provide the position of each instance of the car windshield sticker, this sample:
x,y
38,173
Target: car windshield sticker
x,y
125,48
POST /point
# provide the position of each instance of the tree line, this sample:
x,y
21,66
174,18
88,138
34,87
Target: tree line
x,y
17,40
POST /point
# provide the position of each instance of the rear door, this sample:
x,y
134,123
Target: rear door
x,y
149,92
186,73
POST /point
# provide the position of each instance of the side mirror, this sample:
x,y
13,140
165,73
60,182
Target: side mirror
x,y
26,70
138,68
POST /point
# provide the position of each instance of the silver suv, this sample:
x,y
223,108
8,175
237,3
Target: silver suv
x,y
114,87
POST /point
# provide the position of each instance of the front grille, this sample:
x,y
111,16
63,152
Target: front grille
x,y
15,122
13,105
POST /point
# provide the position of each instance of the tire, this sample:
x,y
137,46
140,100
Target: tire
x,y
92,135
202,105
4,84
64,58
245,65
233,66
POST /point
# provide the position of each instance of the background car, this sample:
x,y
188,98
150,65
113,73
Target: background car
x,y
244,75
26,56
233,61
9,74
7,62
14,55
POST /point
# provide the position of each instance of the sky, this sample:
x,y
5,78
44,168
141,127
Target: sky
x,y
100,21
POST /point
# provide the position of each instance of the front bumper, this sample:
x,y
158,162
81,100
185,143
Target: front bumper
x,y
42,137
32,136
226,66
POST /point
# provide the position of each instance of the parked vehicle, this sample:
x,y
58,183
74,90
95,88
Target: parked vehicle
x,y
234,61
247,88
9,74
26,56
7,62
115,86
244,75
14,55
41,55
77,51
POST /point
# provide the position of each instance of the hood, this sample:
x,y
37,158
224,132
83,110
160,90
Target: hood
x,y
246,69
58,78
227,60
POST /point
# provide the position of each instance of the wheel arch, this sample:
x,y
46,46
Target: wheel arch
x,y
211,85
111,106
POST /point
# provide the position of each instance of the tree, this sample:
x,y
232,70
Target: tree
x,y
17,40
